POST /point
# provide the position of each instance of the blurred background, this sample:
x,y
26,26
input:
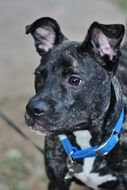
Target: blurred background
x,y
21,165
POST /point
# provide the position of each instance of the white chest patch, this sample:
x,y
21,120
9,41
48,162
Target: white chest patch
x,y
91,179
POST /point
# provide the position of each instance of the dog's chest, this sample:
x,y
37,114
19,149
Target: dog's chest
x,y
91,179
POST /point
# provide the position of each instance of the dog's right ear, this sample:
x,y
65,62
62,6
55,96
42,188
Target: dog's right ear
x,y
46,33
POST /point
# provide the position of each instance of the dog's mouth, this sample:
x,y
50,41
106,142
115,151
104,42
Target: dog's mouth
x,y
35,126
42,128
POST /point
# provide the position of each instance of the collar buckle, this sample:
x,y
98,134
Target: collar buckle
x,y
108,145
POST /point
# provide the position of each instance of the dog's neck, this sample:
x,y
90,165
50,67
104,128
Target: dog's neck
x,y
98,133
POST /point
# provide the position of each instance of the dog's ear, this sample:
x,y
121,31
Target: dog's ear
x,y
46,33
104,41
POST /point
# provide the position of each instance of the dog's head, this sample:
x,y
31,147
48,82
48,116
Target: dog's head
x,y
73,80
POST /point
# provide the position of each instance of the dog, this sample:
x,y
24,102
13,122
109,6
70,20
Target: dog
x,y
121,71
79,106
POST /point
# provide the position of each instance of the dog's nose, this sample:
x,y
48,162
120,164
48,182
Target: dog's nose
x,y
36,107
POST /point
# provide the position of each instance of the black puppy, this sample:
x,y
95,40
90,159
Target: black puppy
x,y
79,106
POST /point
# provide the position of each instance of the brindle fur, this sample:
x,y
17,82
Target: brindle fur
x,y
94,105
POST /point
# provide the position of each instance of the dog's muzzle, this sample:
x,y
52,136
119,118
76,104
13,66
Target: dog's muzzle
x,y
34,125
36,107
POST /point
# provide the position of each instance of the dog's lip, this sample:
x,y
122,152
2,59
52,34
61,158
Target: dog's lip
x,y
34,125
37,127
29,120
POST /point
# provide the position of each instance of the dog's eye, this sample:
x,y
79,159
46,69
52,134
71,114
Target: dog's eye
x,y
37,74
38,77
75,81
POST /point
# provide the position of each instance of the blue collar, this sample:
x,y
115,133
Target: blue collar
x,y
97,150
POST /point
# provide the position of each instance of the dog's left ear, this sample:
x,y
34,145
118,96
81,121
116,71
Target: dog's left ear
x,y
46,33
104,41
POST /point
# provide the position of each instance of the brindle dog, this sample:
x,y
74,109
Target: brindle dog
x,y
78,94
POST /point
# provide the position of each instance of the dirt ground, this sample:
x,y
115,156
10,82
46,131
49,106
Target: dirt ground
x,y
21,165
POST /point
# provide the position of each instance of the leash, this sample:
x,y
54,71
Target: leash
x,y
18,130
97,150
